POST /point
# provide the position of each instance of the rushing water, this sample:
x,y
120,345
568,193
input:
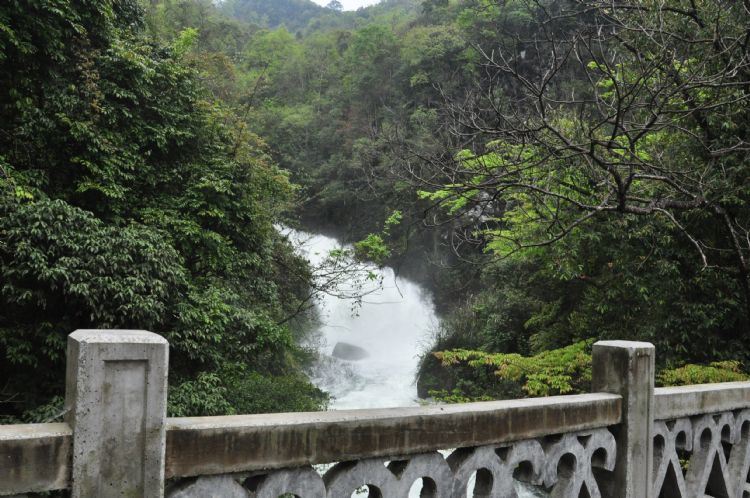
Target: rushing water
x,y
388,330
391,326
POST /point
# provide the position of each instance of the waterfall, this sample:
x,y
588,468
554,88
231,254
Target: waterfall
x,y
379,339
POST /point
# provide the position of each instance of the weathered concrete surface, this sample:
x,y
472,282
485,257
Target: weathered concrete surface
x,y
684,401
211,487
628,368
595,450
717,448
216,445
34,458
350,352
498,480
298,482
116,399
565,464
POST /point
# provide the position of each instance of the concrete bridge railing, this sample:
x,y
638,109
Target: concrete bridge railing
x,y
625,440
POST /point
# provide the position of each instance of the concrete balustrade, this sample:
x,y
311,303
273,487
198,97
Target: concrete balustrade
x,y
685,401
35,457
116,404
628,369
625,440
209,445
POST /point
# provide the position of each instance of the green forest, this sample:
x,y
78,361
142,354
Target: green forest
x,y
555,172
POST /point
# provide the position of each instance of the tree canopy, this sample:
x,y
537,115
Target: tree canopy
x,y
575,169
556,171
131,197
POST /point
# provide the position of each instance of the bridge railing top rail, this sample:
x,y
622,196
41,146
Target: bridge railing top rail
x,y
685,401
213,445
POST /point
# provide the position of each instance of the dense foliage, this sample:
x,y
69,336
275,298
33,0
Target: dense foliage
x,y
605,178
615,208
476,375
556,171
131,197
293,14
605,166
426,109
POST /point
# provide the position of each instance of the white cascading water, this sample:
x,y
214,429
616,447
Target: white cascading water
x,y
392,324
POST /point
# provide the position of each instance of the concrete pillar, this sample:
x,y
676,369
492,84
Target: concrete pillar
x,y
627,368
116,392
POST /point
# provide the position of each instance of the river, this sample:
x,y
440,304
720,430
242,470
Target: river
x,y
387,330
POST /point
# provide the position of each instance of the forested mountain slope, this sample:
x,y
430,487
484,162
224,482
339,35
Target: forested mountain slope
x,y
293,14
608,212
305,16
558,172
408,116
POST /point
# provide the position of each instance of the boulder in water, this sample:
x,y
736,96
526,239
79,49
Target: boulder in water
x,y
346,351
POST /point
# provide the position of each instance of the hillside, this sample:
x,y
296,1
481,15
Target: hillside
x,y
309,17
294,14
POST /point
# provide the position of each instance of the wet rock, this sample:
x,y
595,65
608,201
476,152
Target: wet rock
x,y
346,351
